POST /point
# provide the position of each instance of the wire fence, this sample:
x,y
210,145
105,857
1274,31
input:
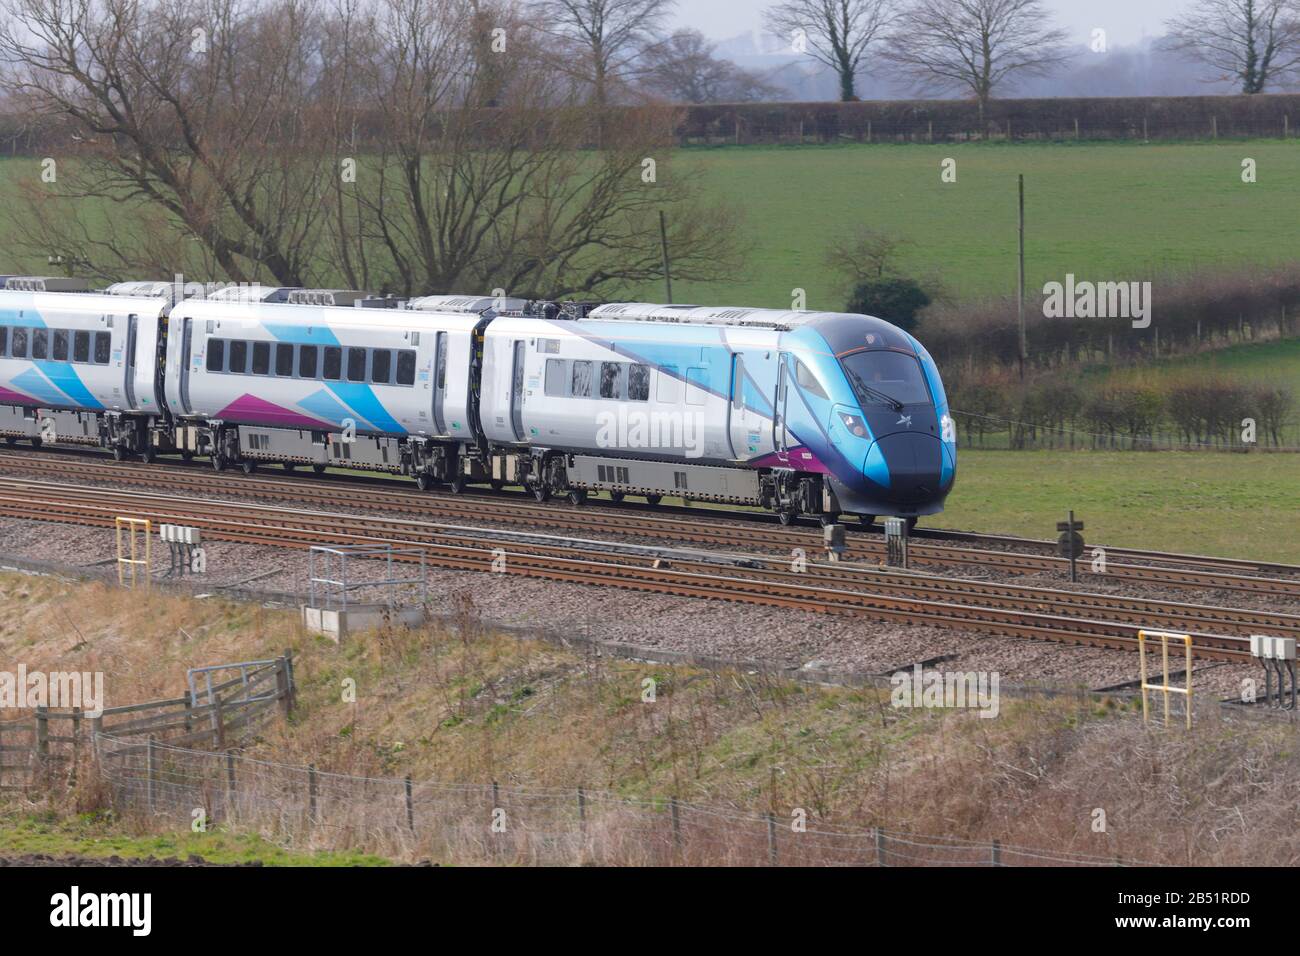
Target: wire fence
x,y
312,809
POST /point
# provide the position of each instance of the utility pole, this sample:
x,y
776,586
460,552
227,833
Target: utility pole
x,y
1024,350
663,242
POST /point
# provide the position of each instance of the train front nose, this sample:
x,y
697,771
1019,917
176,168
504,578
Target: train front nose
x,y
914,462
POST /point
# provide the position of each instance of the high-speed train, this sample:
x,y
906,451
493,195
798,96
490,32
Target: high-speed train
x,y
815,413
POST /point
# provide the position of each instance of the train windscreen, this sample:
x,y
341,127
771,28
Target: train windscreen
x,y
886,378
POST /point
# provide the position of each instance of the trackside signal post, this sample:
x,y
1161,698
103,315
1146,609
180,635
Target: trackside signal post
x,y
1164,687
1070,543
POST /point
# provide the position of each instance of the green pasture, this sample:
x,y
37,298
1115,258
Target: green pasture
x,y
1232,505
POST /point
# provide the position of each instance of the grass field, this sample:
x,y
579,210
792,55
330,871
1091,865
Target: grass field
x,y
1233,505
1270,362
1107,211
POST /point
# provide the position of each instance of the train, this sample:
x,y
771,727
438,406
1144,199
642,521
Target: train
x,y
802,413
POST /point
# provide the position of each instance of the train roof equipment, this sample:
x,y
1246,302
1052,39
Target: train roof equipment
x,y
45,284
779,319
476,304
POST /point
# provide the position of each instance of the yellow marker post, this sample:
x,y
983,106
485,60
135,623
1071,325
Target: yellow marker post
x,y
1164,687
131,526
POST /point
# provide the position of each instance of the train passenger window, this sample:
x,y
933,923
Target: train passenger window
x,y
669,389
804,376
333,363
581,380
103,345
356,365
216,355
261,358
381,366
406,369
638,383
19,345
696,393
238,357
306,361
60,350
81,347
555,377
4,339
284,359
40,343
612,376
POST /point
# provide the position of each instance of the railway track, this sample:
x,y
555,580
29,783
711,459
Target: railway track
x,y
981,607
672,525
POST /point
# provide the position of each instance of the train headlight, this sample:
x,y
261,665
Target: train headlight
x,y
854,424
949,429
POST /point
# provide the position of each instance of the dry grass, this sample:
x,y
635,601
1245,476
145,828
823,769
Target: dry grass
x,y
460,704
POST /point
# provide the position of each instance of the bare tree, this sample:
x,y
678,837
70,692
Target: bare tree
x,y
974,45
1251,42
462,198
191,119
602,40
839,33
684,69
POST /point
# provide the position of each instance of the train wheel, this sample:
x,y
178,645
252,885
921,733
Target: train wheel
x,y
577,496
456,485
218,463
37,442
148,455
248,466
187,456
616,496
10,440
542,493
497,484
423,481
653,500
785,515
911,523
829,519
288,465
319,469
119,453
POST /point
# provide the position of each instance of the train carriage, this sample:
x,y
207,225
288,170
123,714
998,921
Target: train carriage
x,y
80,368
255,381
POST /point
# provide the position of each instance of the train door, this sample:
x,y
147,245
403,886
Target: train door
x,y
187,343
780,434
517,392
736,409
132,333
440,382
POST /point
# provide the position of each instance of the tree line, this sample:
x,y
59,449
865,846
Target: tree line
x,y
404,146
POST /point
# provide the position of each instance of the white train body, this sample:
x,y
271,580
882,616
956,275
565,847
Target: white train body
x,y
796,411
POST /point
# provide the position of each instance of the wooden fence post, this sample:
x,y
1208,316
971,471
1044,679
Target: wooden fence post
x,y
996,853
149,772
42,732
76,743
880,848
218,723
311,793
771,838
230,782
677,824
410,806
582,810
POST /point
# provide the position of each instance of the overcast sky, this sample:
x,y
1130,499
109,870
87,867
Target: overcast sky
x,y
1125,21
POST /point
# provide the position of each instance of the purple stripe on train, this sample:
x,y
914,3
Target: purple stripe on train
x,y
253,410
